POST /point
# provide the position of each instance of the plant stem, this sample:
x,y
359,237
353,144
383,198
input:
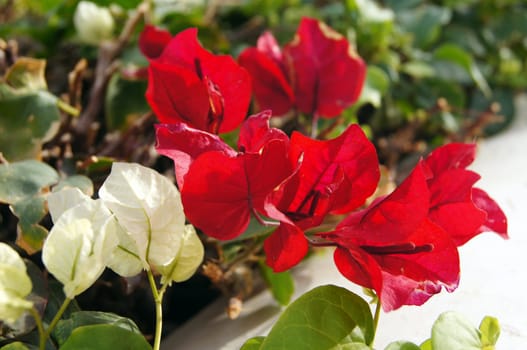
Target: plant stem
x,y
376,320
67,108
41,332
158,298
54,322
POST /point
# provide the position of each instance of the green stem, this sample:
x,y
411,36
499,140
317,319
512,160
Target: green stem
x,y
67,108
158,298
376,320
41,332
54,322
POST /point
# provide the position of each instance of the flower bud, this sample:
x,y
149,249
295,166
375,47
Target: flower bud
x,y
93,23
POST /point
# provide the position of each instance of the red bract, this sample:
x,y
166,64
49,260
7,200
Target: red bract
x,y
153,40
222,188
459,208
189,84
393,248
335,176
319,73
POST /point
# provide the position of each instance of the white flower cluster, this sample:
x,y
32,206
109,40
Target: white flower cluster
x,y
136,224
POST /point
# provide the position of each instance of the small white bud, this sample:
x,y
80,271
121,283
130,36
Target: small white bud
x,y
93,23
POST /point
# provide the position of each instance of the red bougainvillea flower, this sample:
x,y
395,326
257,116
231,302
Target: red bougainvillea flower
x,y
334,176
220,187
319,72
393,248
455,205
186,83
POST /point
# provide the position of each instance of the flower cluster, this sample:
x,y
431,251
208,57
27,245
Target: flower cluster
x,y
403,246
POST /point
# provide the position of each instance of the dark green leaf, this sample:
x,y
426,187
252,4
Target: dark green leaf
x,y
281,284
24,179
27,119
125,102
255,229
78,319
104,337
424,23
323,318
455,54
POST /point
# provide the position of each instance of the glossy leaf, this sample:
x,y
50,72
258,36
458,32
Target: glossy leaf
x,y
24,179
104,336
30,212
324,318
15,346
65,327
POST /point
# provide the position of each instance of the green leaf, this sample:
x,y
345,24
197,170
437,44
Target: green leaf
x,y
253,344
455,54
21,185
81,182
490,331
427,345
27,119
15,346
281,284
27,73
402,345
453,331
125,102
326,317
424,23
104,336
255,229
22,180
418,69
376,85
86,318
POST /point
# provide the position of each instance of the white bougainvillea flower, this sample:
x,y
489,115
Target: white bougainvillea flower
x,y
79,246
148,206
125,259
67,198
187,259
93,23
15,285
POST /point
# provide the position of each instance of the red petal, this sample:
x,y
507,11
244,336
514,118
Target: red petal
x,y
184,144
286,247
176,94
496,219
271,89
359,267
451,156
391,219
336,175
255,133
152,41
328,74
411,279
221,192
228,79
451,205
268,45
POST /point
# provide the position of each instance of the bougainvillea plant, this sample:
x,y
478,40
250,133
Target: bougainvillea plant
x,y
300,191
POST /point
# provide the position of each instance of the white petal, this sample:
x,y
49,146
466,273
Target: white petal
x,y
125,259
149,207
79,245
9,256
184,265
12,307
67,198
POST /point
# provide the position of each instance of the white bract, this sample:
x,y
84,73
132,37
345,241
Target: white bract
x,y
148,206
67,198
187,260
93,23
15,285
79,245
